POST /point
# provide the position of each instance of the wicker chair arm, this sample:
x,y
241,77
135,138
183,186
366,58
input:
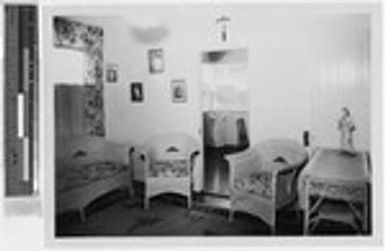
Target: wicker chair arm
x,y
141,159
193,157
243,164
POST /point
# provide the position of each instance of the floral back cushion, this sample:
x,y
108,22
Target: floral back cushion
x,y
79,175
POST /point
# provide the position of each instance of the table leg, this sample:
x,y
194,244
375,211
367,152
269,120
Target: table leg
x,y
306,210
365,216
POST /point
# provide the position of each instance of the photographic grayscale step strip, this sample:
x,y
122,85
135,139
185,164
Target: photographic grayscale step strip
x,y
21,99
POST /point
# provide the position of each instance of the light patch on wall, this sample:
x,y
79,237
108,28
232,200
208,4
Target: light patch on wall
x,y
150,34
148,29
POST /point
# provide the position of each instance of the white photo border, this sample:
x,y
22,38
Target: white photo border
x,y
50,8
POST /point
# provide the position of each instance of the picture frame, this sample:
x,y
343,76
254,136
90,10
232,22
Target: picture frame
x,y
178,91
137,94
155,61
112,75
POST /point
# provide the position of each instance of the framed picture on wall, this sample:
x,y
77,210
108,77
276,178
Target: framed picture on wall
x,y
178,91
155,60
112,73
137,94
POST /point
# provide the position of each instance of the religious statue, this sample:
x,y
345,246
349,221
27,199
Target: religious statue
x,y
346,127
223,22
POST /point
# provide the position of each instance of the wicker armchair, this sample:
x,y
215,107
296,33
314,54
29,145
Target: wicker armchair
x,y
167,161
263,178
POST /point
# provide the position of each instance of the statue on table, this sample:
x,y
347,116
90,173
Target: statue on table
x,y
346,126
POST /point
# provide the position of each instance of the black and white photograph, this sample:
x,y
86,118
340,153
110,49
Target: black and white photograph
x,y
178,91
137,94
215,123
155,60
282,151
112,73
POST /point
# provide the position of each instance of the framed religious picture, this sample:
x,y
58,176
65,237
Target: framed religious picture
x,y
112,73
156,60
178,91
137,94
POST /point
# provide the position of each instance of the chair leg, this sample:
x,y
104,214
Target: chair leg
x,y
231,215
356,227
365,221
273,226
313,226
306,224
131,192
82,215
189,202
306,209
306,220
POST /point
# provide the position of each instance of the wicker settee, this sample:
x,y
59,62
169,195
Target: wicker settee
x,y
87,168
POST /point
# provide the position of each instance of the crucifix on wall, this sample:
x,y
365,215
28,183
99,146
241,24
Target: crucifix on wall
x,y
222,22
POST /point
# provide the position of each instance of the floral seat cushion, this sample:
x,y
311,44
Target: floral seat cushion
x,y
258,184
169,168
338,191
80,175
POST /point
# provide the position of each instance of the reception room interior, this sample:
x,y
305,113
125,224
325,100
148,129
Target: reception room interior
x,y
210,119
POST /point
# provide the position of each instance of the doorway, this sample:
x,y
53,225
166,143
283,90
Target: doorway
x,y
225,115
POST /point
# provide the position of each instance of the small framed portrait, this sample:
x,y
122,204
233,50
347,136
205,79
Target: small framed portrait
x,y
137,94
178,91
156,60
112,73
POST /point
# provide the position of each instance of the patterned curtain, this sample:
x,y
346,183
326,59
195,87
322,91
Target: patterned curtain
x,y
69,34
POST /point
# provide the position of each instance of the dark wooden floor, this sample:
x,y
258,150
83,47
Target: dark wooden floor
x,y
116,214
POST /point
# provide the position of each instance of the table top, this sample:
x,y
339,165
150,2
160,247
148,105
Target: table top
x,y
335,164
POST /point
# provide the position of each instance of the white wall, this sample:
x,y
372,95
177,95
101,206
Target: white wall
x,y
290,55
342,79
135,122
284,68
286,55
280,79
